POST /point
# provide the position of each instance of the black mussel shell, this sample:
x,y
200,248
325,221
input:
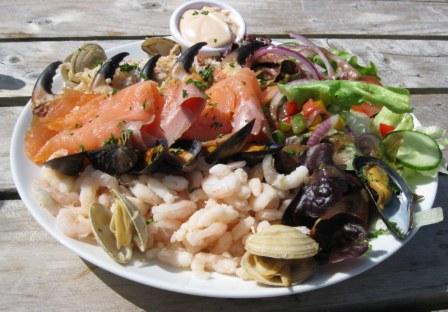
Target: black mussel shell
x,y
69,165
175,159
397,212
318,155
289,158
253,154
232,145
324,188
115,159
342,230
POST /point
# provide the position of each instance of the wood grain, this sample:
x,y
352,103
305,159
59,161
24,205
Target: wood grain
x,y
34,266
429,109
410,63
26,19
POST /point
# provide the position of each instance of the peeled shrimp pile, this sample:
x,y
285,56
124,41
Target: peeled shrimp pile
x,y
199,221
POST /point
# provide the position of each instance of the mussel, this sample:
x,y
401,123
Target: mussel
x,y
177,158
389,193
230,145
113,159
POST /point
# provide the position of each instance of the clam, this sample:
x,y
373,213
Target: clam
x,y
389,193
277,272
100,218
282,242
88,55
158,45
117,232
140,237
279,256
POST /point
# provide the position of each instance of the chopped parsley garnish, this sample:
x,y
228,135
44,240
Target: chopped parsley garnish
x,y
215,40
149,221
216,125
232,65
199,84
207,74
184,93
195,13
212,104
128,67
376,233
114,90
204,12
111,140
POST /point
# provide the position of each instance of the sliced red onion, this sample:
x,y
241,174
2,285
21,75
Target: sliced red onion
x,y
318,50
322,130
279,50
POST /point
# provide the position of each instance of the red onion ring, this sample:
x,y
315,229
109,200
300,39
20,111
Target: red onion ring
x,y
322,130
318,50
310,68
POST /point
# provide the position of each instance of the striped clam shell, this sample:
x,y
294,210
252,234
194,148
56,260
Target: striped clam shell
x,y
281,242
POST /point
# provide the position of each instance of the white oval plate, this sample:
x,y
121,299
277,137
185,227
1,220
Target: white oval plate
x,y
158,275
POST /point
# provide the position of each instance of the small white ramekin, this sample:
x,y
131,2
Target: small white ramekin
x,y
177,14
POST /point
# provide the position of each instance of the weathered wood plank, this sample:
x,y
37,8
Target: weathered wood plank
x,y
429,109
27,19
34,266
410,63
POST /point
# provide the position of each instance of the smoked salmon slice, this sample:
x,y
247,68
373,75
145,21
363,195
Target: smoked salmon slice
x,y
88,127
232,102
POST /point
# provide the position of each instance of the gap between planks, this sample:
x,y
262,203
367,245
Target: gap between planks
x,y
279,36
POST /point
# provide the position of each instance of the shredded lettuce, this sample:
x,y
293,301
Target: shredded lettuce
x,y
399,121
437,134
340,95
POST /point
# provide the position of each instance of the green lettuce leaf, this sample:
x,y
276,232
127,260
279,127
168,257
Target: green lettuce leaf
x,y
340,95
399,121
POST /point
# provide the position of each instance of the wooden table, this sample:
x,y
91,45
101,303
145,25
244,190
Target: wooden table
x,y
408,40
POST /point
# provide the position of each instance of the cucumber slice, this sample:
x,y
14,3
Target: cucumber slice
x,y
413,149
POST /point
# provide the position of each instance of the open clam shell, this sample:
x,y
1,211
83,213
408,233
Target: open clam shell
x,y
100,218
389,193
140,228
282,242
277,272
158,45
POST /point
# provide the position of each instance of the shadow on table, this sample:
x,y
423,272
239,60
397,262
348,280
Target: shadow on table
x,y
415,278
